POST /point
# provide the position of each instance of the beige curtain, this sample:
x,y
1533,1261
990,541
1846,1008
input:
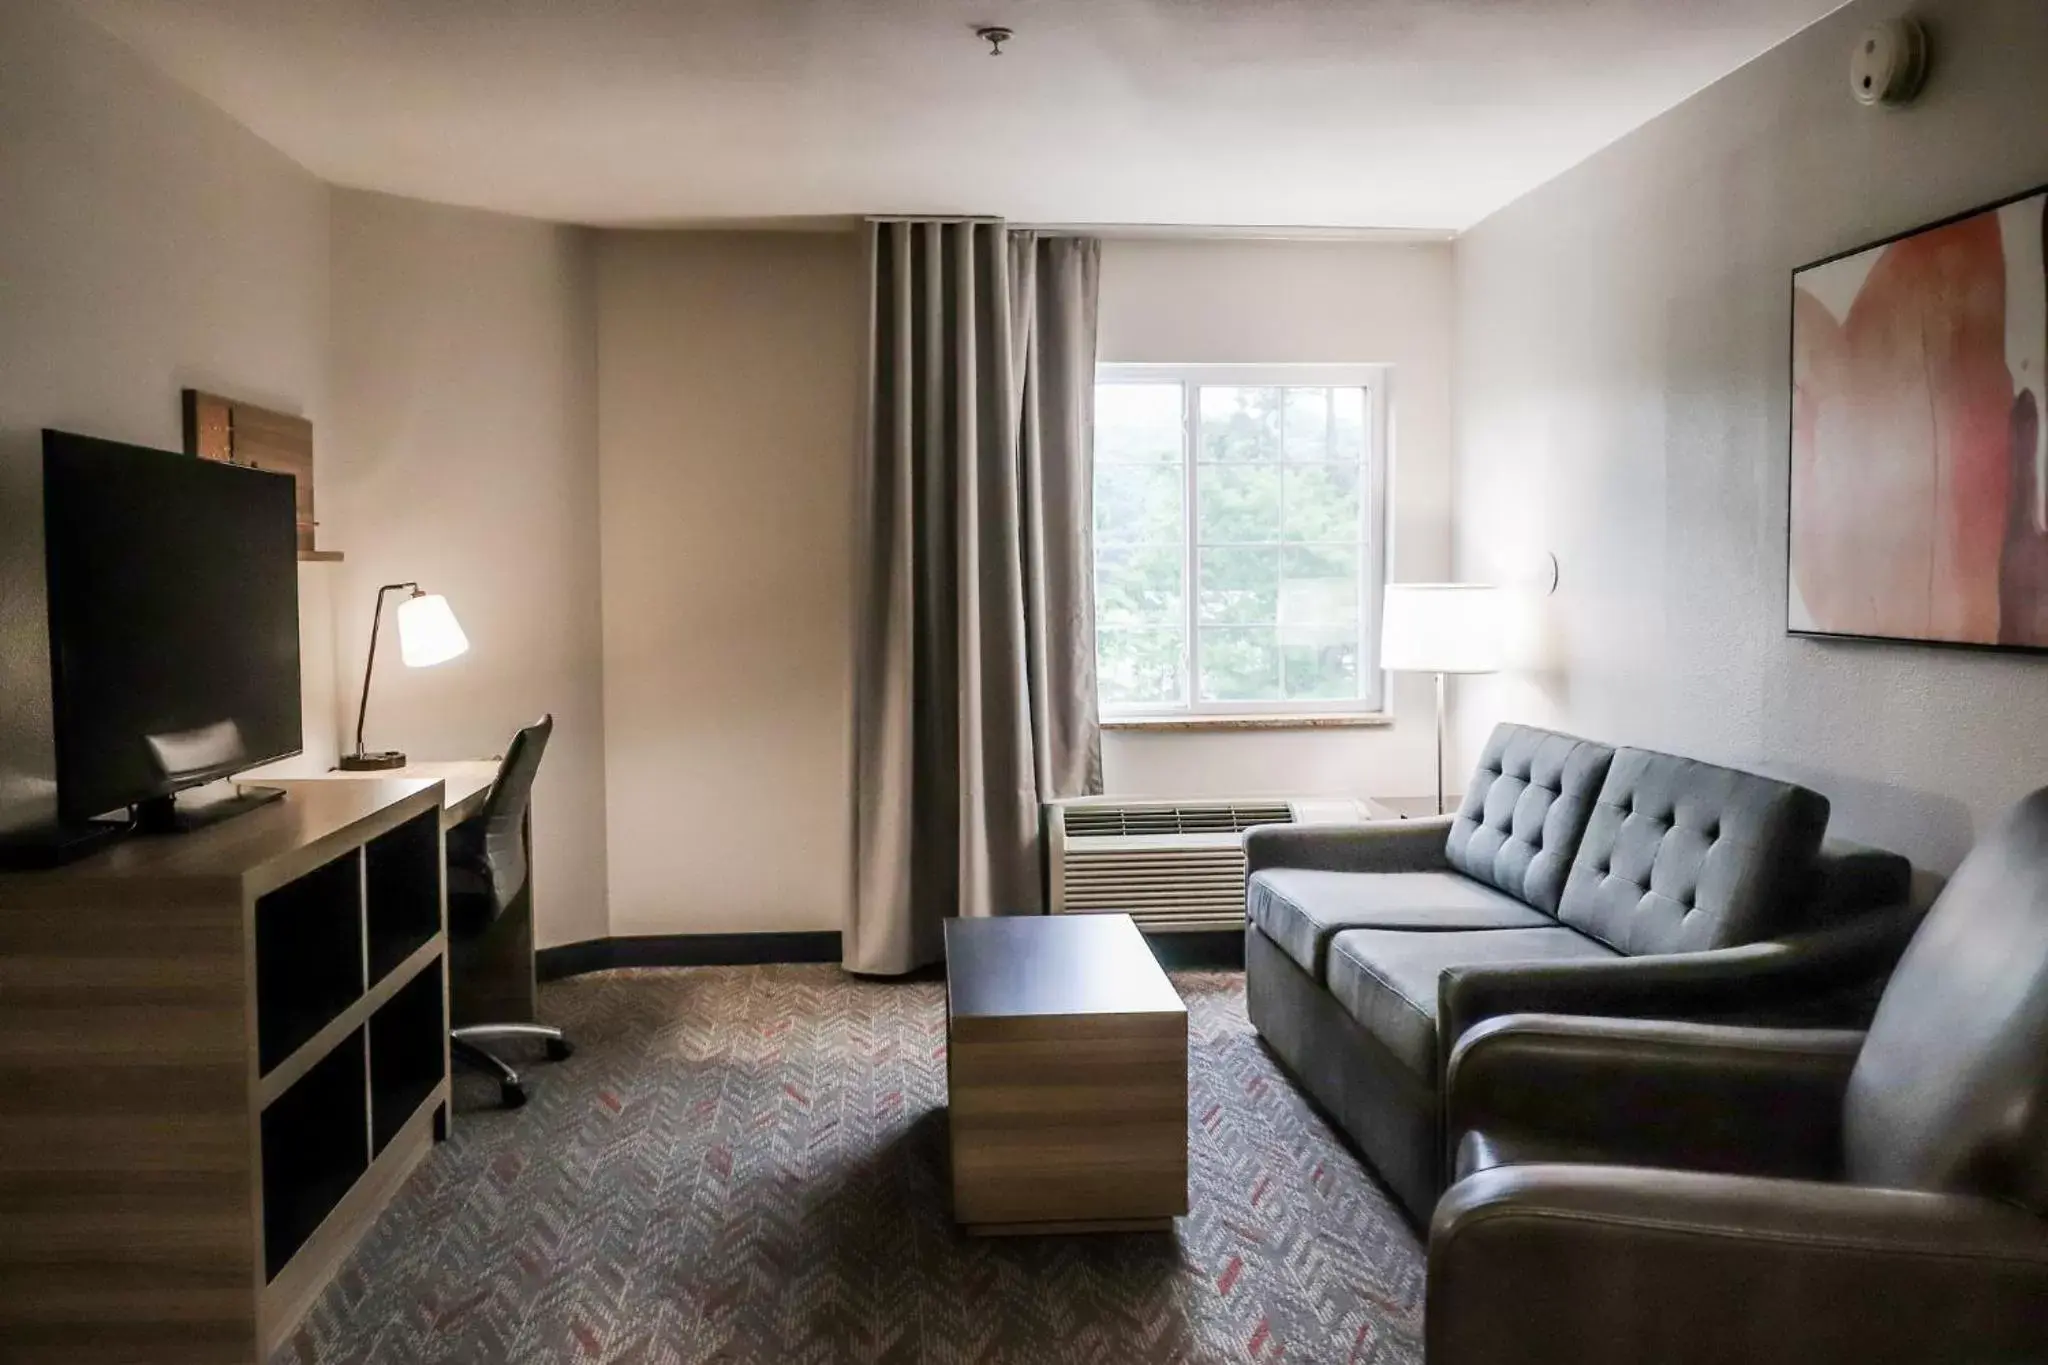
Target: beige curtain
x,y
974,687
1053,286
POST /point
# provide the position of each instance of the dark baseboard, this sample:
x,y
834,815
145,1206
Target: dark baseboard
x,y
685,950
1215,948
572,959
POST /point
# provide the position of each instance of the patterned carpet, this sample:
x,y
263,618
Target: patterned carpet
x,y
742,1165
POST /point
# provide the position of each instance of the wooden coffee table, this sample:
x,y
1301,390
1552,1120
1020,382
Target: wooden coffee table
x,y
1067,1077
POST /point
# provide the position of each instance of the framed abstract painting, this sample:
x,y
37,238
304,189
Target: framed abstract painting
x,y
1919,453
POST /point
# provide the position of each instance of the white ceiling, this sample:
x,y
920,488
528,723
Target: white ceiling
x,y
1421,114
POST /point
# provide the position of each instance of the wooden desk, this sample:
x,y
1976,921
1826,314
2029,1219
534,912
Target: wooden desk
x,y
1066,1077
467,781
490,979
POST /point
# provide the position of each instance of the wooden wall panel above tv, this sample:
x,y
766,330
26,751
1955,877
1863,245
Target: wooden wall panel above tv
x,y
223,429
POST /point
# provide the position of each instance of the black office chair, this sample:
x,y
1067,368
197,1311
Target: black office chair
x,y
486,871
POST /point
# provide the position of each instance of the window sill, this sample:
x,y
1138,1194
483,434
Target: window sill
x,y
1362,720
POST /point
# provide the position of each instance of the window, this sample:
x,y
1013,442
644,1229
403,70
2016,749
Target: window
x,y
1238,539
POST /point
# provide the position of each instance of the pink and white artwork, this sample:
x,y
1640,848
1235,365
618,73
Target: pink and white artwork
x,y
1919,453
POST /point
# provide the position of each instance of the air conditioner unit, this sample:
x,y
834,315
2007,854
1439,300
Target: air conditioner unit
x,y
1173,866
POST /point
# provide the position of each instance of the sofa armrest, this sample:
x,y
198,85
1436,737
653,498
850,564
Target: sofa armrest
x,y
1380,846
1605,1265
1755,982
1851,879
1701,1096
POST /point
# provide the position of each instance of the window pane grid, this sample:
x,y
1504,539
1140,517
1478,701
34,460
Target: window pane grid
x,y
1283,458
1286,621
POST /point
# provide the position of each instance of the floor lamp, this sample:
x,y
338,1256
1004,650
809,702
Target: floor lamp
x,y
1440,628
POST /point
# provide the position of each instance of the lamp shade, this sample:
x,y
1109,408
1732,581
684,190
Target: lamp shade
x,y
428,633
1441,628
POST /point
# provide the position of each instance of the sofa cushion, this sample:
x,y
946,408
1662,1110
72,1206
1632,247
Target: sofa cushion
x,y
1301,910
1387,979
1525,810
1681,856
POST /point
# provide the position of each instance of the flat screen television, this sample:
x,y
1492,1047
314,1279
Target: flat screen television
x,y
174,624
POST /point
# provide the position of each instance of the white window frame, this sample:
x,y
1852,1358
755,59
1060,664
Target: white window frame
x,y
1377,381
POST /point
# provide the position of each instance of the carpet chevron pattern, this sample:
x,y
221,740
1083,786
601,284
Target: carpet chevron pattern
x,y
743,1165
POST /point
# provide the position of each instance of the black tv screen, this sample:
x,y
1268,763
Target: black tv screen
x,y
174,620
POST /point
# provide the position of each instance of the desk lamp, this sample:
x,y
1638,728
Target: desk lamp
x,y
428,634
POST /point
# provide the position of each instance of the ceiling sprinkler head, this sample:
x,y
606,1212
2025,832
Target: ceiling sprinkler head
x,y
995,37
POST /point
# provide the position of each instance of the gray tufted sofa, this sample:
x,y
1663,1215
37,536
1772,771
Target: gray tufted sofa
x,y
1575,878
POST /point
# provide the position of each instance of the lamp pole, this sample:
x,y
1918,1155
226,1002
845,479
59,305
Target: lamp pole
x,y
1438,743
360,761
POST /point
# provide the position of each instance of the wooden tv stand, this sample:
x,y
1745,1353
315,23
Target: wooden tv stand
x,y
220,1055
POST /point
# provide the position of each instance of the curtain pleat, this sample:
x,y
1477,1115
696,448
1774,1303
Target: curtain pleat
x,y
974,496
1056,283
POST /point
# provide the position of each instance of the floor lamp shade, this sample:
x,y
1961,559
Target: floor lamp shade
x,y
1441,628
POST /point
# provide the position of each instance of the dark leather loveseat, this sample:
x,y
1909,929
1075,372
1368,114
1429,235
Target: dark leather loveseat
x,y
1575,878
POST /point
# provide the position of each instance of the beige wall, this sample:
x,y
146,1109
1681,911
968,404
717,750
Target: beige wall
x,y
463,455
147,244
729,393
452,387
1252,302
1623,400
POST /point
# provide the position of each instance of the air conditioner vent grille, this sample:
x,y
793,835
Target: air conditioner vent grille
x,y
1170,865
1150,818
1190,889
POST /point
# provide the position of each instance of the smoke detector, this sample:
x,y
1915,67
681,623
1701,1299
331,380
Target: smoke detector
x,y
1889,65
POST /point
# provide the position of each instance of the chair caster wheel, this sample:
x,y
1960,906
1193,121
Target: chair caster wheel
x,y
512,1094
560,1049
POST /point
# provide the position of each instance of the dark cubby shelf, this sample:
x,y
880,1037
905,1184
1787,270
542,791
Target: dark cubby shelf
x,y
408,1054
404,891
315,1147
309,956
